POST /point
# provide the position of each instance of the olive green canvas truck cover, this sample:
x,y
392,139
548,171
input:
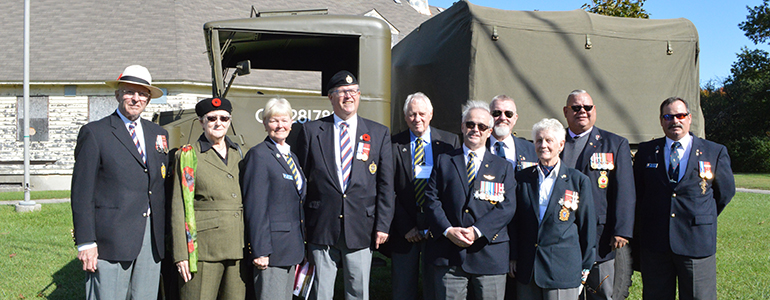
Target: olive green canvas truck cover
x,y
629,66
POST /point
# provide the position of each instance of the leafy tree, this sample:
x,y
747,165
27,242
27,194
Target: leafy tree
x,y
757,24
618,8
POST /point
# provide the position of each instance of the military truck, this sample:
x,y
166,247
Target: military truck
x,y
317,44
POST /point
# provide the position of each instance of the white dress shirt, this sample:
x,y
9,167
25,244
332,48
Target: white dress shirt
x,y
352,126
545,184
509,147
285,150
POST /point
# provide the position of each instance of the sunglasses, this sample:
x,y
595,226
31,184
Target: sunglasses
x,y
221,118
497,113
471,125
576,108
669,117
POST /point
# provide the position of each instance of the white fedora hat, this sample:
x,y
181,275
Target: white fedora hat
x,y
136,74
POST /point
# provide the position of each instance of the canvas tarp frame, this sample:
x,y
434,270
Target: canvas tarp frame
x,y
539,57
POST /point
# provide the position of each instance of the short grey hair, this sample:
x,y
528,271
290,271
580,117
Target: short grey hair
x,y
417,96
503,98
276,106
474,104
551,125
575,93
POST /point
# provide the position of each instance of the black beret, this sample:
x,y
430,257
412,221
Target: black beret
x,y
211,104
342,78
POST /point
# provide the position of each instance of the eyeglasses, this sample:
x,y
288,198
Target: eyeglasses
x,y
221,118
496,113
341,93
471,125
669,117
142,95
576,108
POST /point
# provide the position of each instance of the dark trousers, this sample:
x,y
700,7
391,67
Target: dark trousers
x,y
697,277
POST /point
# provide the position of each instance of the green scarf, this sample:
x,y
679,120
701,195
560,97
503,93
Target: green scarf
x,y
188,164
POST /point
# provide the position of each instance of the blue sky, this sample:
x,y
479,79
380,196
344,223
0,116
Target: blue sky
x,y
716,20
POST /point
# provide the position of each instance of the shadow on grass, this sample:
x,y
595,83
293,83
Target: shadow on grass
x,y
68,283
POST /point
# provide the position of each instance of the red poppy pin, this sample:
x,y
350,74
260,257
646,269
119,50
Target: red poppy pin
x,y
216,102
366,137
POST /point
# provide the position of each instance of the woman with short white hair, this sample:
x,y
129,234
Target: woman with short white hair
x,y
555,223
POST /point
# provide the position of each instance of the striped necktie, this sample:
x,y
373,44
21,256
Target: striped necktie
x,y
471,167
132,130
346,154
293,168
419,183
673,167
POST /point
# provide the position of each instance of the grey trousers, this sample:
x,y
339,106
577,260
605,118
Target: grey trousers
x,y
453,283
600,281
137,279
697,277
274,283
356,265
533,292
405,271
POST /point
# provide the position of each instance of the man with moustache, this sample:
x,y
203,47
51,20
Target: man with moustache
x,y
348,161
606,159
470,199
518,151
118,194
683,184
415,152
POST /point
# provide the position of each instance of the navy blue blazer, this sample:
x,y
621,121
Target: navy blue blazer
x,y
272,205
553,252
367,204
407,215
112,188
450,203
615,203
525,152
682,219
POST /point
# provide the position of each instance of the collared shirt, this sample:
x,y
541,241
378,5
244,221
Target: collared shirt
x,y
352,126
684,153
206,146
478,159
545,188
509,147
427,148
137,129
285,150
576,136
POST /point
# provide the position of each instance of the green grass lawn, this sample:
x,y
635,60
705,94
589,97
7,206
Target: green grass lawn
x,y
37,256
753,181
34,195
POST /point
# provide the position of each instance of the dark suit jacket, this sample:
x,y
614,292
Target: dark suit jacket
x,y
112,187
273,206
450,203
553,252
367,204
407,214
681,219
525,152
615,204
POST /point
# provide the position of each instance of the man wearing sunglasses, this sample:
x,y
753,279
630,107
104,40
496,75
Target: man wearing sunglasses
x,y
415,151
683,183
118,194
470,199
518,151
606,159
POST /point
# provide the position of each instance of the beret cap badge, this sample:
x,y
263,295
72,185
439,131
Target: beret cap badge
x,y
349,79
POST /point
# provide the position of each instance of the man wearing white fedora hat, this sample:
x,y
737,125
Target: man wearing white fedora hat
x,y
118,197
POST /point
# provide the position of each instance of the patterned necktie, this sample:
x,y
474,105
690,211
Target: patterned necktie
x,y
132,130
419,183
499,149
673,167
471,167
293,169
346,154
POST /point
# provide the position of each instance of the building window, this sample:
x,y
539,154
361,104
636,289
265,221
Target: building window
x,y
101,106
38,118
